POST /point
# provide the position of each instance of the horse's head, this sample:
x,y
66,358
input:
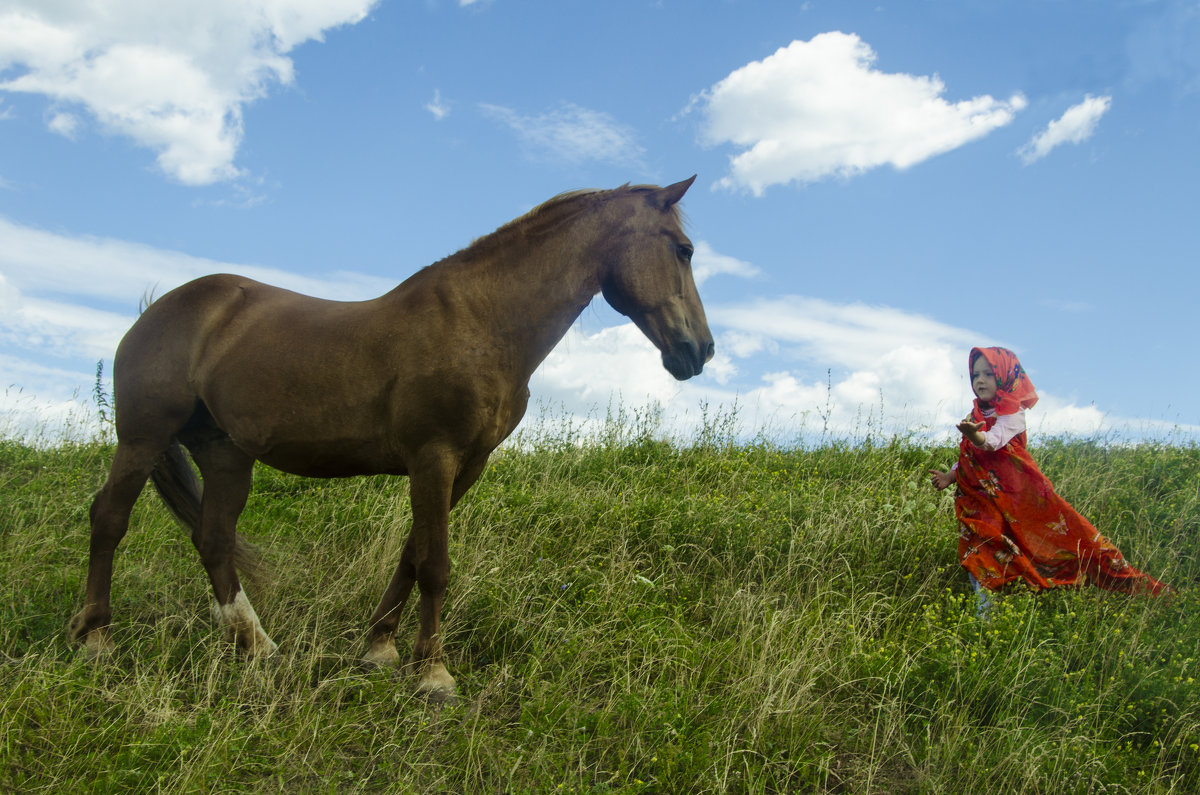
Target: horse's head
x,y
648,278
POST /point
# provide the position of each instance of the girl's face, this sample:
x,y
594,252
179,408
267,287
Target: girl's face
x,y
983,380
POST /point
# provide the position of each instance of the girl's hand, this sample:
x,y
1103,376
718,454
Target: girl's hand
x,y
942,480
969,426
972,431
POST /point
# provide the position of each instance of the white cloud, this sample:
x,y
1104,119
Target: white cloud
x,y
571,133
171,76
437,107
59,329
819,109
1053,416
588,368
743,344
65,124
1073,127
41,263
845,335
851,361
707,263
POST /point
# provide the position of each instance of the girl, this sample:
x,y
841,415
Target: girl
x,y
1012,524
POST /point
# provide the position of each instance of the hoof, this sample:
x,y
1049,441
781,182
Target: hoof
x,y
252,644
437,685
382,654
260,648
98,644
242,628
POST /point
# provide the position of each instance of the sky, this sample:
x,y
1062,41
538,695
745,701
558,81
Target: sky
x,y
881,186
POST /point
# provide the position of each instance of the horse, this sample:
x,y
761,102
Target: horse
x,y
423,381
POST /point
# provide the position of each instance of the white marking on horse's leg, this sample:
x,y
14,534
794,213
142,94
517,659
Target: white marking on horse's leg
x,y
383,652
241,626
99,643
437,684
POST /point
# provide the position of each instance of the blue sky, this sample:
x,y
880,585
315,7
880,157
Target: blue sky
x,y
881,186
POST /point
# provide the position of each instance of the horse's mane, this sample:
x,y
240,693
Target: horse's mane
x,y
542,220
569,196
554,211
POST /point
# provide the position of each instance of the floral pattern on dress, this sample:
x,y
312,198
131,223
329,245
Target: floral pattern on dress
x,y
991,484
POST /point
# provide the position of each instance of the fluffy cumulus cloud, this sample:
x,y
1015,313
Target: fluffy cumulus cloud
x,y
843,363
571,133
587,369
817,109
171,76
842,370
1075,126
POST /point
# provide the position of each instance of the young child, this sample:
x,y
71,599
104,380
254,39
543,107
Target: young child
x,y
1012,524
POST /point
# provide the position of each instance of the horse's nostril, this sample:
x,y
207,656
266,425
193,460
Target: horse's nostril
x,y
699,353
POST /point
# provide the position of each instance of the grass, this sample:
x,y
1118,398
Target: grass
x,y
625,615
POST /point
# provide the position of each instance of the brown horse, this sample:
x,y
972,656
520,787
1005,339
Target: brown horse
x,y
424,381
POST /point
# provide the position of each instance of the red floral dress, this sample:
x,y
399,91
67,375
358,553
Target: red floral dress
x,y
1013,525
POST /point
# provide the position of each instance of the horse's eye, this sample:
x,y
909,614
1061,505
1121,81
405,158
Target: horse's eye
x,y
685,252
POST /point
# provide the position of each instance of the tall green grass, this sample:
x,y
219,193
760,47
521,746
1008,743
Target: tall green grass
x,y
625,615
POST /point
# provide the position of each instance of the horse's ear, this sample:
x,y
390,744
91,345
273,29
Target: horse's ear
x,y
670,195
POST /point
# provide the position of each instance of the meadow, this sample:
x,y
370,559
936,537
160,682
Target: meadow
x,y
625,615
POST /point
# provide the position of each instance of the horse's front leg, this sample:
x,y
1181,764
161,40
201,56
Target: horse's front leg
x,y
425,561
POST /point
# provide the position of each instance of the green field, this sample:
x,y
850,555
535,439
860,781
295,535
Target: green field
x,y
625,615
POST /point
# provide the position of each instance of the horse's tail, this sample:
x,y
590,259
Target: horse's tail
x,y
180,489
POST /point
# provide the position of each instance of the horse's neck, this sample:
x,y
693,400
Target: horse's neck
x,y
539,294
529,292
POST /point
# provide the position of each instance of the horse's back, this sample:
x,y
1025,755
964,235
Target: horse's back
x,y
187,310
196,319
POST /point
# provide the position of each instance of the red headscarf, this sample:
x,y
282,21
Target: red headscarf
x,y
1014,390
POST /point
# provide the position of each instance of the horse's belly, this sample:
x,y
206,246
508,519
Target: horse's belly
x,y
331,460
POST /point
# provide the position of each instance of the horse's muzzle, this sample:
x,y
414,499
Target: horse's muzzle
x,y
687,358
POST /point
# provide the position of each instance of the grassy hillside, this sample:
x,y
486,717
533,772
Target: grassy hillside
x,y
624,616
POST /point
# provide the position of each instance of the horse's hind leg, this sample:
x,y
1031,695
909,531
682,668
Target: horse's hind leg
x,y
132,464
226,471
